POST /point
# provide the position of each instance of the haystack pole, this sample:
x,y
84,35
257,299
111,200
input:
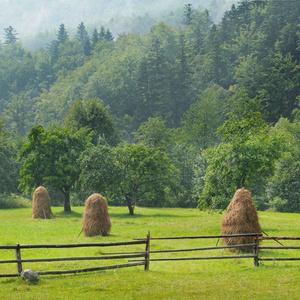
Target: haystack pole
x,y
96,220
240,217
41,204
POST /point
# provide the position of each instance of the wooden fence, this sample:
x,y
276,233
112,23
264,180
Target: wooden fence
x,y
281,247
254,256
144,255
138,258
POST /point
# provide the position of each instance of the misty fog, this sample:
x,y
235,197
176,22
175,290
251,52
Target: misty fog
x,y
29,17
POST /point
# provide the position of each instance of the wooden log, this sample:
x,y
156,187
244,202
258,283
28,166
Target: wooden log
x,y
206,236
137,242
279,247
81,258
9,275
10,261
133,252
201,249
202,258
279,258
279,238
185,250
5,247
127,265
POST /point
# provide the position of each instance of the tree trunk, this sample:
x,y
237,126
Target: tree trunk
x,y
67,206
129,205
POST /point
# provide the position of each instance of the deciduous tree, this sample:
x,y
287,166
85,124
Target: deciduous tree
x,y
247,154
50,159
134,174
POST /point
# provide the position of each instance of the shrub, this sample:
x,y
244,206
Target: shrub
x,y
13,201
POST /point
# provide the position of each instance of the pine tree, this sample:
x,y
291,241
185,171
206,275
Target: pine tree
x,y
10,35
102,33
82,34
62,35
181,94
53,50
108,35
188,15
95,37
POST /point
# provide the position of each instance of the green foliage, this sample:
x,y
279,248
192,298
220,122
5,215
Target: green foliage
x,y
97,171
197,31
51,159
278,204
93,115
81,34
9,167
283,187
154,134
62,35
13,201
134,173
188,14
201,121
183,157
247,154
280,86
144,173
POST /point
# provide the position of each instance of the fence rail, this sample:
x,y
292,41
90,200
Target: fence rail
x,y
142,258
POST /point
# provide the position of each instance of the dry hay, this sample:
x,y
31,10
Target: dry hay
x,y
96,220
240,217
41,205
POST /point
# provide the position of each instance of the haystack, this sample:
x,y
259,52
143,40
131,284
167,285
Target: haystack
x,y
96,220
240,217
41,205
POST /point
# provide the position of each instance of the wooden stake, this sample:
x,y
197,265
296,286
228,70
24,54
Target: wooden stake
x,y
18,258
147,256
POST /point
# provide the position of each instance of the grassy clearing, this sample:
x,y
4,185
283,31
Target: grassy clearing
x,y
222,279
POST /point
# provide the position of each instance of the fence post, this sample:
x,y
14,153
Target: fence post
x,y
18,258
255,251
147,256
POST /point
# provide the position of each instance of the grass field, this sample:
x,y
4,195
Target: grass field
x,y
212,279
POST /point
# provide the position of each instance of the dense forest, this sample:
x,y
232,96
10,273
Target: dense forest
x,y
181,115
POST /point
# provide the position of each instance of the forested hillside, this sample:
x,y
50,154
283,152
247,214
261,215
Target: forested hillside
x,y
180,116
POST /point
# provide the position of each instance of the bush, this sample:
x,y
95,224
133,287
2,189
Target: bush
x,y
13,201
278,204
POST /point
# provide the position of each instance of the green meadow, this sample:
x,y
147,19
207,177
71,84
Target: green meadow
x,y
198,279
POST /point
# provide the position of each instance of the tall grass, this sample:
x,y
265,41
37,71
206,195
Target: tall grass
x,y
220,279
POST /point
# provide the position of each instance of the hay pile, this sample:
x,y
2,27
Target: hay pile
x,y
96,220
41,205
240,217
